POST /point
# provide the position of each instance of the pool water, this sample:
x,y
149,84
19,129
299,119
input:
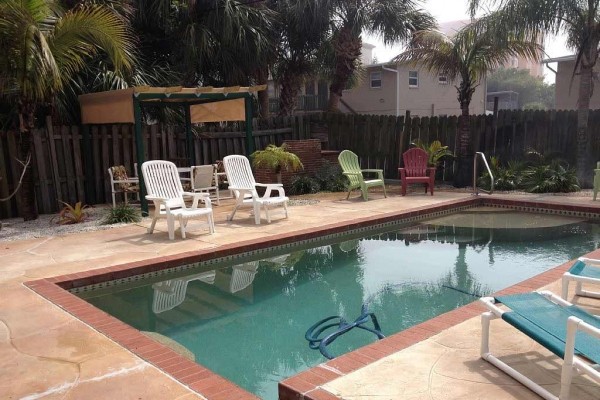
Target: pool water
x,y
247,322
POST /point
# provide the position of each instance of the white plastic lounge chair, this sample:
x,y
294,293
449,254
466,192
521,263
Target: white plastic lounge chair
x,y
203,180
242,276
165,190
585,270
121,183
242,183
561,327
169,294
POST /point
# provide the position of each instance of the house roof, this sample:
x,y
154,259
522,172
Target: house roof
x,y
559,59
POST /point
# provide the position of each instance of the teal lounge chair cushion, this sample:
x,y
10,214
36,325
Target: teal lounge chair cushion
x,y
580,269
546,323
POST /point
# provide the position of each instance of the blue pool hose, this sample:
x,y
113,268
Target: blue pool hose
x,y
314,332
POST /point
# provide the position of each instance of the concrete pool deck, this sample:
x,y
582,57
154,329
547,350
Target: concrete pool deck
x,y
45,352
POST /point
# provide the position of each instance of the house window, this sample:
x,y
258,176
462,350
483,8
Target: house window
x,y
442,79
375,80
413,79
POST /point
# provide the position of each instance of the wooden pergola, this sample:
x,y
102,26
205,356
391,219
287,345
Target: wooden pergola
x,y
201,104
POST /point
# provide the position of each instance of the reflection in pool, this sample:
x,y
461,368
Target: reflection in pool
x,y
247,322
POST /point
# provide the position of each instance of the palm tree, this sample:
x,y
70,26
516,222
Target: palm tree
x,y
466,58
41,47
580,21
393,20
303,28
224,42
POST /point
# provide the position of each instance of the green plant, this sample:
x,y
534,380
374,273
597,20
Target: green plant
x,y
330,178
276,158
435,150
554,177
304,184
505,178
122,213
72,214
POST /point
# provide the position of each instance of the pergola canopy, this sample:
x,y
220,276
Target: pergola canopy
x,y
201,104
207,104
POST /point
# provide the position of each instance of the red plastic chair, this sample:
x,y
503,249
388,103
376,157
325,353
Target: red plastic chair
x,y
416,170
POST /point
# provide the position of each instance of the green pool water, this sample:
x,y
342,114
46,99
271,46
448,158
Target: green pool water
x,y
247,322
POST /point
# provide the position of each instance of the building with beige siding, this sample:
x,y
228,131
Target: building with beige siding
x,y
567,85
394,89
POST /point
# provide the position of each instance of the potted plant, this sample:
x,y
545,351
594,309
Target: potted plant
x,y
435,150
276,158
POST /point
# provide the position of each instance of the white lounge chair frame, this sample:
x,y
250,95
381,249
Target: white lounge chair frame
x,y
203,180
242,183
572,363
164,189
579,280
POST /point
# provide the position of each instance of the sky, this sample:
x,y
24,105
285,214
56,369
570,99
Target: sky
x,y
452,10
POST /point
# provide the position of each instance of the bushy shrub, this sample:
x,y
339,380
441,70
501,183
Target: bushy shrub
x,y
122,213
330,178
505,178
555,177
304,184
542,173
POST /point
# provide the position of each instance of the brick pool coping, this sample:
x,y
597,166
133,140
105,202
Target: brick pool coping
x,y
305,385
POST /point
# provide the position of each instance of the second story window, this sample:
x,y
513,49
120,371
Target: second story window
x,y
442,79
376,80
413,79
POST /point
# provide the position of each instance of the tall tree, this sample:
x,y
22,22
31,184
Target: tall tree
x,y
533,92
303,30
41,47
466,58
580,21
224,42
393,20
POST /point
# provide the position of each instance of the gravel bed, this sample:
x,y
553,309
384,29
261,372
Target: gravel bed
x,y
45,225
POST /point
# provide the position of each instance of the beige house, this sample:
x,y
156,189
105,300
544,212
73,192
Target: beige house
x,y
394,89
567,85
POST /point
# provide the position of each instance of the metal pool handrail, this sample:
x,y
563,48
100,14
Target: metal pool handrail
x,y
475,188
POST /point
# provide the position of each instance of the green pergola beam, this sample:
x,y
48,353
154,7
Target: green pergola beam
x,y
139,149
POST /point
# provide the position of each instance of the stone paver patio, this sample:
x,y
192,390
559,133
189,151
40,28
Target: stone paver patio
x,y
47,353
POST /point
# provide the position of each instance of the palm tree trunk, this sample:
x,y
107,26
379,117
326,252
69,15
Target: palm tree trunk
x,y
262,77
291,83
347,49
584,170
26,125
464,158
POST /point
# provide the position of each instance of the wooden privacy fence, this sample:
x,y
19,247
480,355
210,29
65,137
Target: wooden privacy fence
x,y
59,162
380,140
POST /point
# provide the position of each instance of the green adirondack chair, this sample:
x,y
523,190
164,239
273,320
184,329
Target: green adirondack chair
x,y
351,168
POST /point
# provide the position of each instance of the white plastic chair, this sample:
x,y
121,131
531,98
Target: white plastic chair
x,y
164,189
120,182
203,180
242,183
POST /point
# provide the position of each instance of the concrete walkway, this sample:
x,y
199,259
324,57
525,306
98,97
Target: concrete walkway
x,y
47,353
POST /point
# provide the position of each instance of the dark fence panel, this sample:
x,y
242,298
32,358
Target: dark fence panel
x,y
59,163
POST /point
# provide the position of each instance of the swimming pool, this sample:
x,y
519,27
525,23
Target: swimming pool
x,y
247,322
